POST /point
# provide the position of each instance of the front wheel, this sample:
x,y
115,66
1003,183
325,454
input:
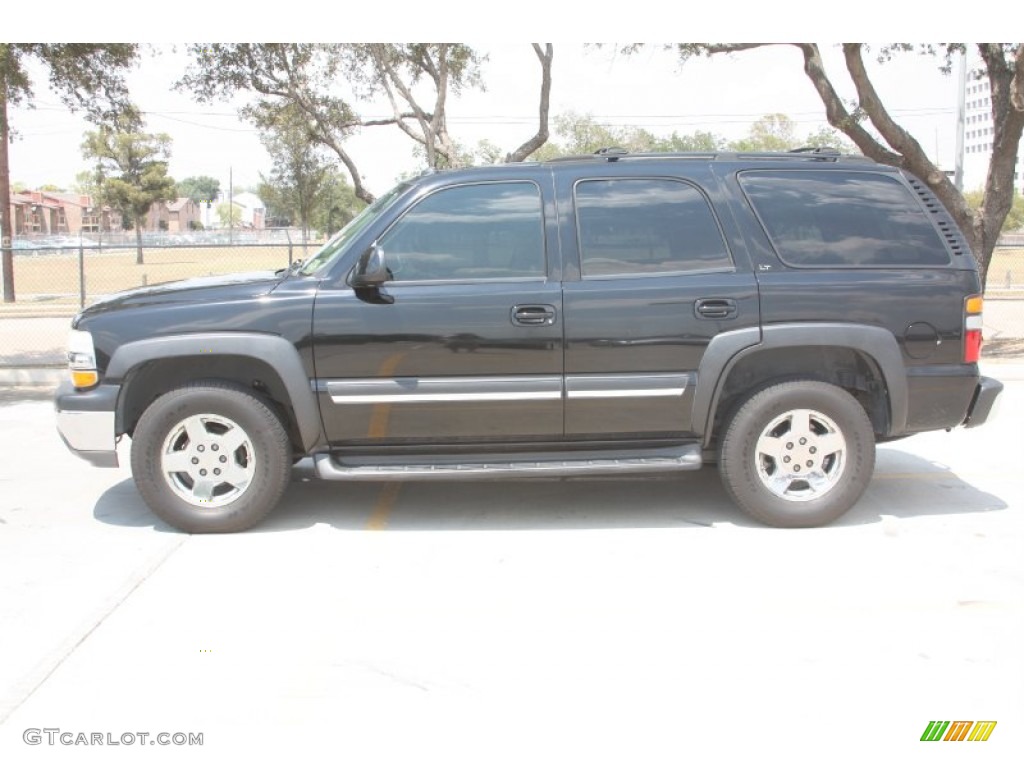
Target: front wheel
x,y
798,454
210,457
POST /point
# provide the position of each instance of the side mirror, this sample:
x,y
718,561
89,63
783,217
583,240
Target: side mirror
x,y
370,273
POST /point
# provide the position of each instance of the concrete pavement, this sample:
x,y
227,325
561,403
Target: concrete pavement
x,y
599,623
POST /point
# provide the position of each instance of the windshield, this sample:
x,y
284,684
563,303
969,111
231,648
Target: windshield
x,y
336,244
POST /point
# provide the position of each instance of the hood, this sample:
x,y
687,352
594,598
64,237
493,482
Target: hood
x,y
197,290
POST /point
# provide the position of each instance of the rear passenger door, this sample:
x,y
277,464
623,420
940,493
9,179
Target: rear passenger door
x,y
649,281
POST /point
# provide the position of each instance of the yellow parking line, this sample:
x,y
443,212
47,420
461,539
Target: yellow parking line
x,y
380,416
382,509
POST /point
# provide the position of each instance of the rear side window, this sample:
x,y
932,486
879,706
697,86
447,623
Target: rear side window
x,y
843,219
646,226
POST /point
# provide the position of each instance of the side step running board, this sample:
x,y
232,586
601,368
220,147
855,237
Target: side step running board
x,y
507,466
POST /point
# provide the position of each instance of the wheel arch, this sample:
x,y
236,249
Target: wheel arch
x,y
865,360
267,364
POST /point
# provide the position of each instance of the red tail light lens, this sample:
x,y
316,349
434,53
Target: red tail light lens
x,y
973,306
972,346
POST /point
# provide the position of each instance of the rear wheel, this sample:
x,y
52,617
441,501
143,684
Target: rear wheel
x,y
798,454
211,457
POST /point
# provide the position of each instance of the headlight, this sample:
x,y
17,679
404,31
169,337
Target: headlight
x,y
82,359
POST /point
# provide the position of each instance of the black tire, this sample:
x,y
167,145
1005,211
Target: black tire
x,y
779,480
179,436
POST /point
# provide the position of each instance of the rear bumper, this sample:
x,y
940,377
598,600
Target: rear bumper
x,y
985,395
86,422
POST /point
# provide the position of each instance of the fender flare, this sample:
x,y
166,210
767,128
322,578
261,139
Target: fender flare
x,y
280,354
728,349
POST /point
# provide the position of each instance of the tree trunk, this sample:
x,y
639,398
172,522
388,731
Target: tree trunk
x,y
6,231
982,237
138,241
530,146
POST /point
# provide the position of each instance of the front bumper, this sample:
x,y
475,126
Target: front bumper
x,y
86,422
985,395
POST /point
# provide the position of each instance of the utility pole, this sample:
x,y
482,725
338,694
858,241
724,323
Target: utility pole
x,y
231,205
961,110
6,230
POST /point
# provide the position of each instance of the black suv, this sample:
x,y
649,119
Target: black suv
x,y
776,313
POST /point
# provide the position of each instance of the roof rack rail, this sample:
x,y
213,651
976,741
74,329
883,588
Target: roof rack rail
x,y
815,151
806,154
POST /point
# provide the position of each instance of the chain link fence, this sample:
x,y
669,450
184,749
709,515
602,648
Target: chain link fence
x,y
55,277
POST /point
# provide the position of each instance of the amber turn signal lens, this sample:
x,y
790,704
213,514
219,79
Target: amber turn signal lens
x,y
83,379
974,305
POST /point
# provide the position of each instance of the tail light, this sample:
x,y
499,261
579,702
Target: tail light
x,y
972,328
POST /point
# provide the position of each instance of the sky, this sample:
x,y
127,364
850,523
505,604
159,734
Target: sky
x,y
650,89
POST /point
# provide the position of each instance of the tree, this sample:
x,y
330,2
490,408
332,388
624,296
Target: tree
x,y
336,205
199,189
889,142
777,133
282,76
308,78
229,214
301,168
333,207
133,169
86,76
583,135
1014,219
535,142
396,69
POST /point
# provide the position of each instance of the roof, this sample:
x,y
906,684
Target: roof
x,y
176,205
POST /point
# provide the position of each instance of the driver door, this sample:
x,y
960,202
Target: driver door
x,y
466,345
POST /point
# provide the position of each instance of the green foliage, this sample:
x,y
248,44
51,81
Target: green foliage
x,y
199,189
772,133
333,207
229,214
1014,219
300,171
86,183
777,133
831,137
131,170
582,135
87,76
336,205
316,80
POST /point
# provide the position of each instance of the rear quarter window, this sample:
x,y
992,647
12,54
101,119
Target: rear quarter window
x,y
843,219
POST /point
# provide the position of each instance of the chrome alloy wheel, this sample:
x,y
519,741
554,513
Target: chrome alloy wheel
x,y
800,455
208,460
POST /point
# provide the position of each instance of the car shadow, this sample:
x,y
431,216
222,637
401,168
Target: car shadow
x,y
904,486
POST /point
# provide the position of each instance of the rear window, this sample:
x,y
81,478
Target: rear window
x,y
843,219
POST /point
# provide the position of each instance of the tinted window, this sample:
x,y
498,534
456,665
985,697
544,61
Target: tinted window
x,y
840,219
643,226
485,231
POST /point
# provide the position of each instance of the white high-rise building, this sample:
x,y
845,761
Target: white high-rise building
x,y
979,133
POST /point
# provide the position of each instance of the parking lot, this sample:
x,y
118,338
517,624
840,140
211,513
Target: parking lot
x,y
559,623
